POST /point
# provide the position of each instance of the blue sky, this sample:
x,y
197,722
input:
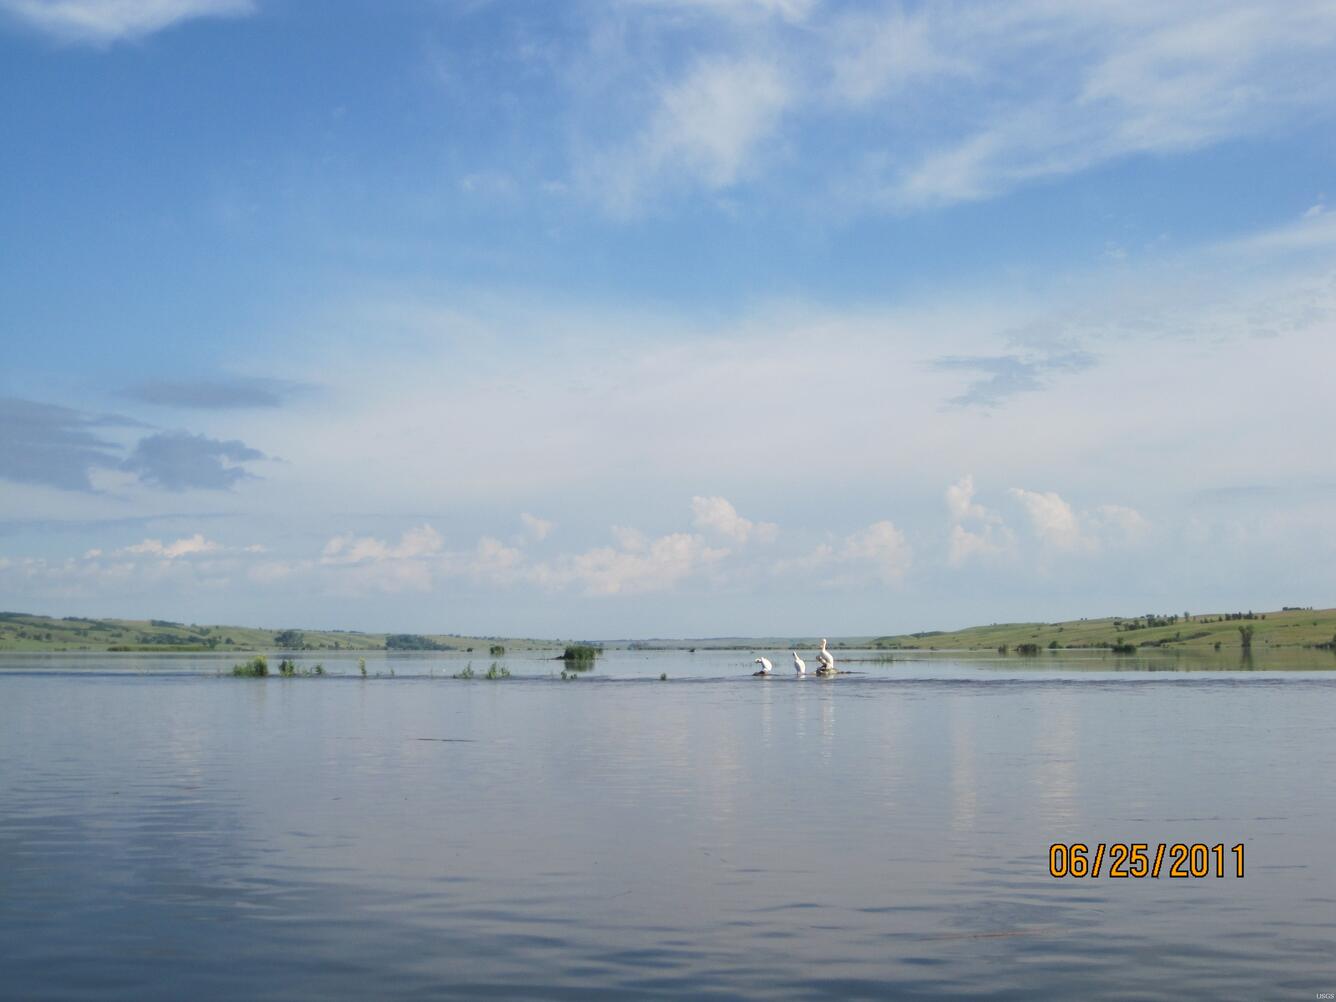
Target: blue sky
x,y
665,317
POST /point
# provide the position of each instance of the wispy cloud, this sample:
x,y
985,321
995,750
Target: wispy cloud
x,y
216,394
1002,376
1117,80
977,100
53,445
705,129
102,22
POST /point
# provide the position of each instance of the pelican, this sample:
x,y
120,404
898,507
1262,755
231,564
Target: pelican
x,y
799,665
827,660
766,666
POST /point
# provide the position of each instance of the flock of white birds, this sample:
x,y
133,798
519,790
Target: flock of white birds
x,y
825,663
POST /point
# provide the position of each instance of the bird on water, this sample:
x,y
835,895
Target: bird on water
x,y
827,660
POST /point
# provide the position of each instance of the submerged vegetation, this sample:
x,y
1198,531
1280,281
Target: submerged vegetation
x,y
494,671
288,669
258,667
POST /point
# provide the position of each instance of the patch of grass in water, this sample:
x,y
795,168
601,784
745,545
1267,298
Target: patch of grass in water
x,y
497,671
288,669
256,667
466,673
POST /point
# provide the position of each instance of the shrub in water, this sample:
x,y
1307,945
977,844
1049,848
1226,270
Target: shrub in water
x,y
580,657
256,667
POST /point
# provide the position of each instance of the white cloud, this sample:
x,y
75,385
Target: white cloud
x,y
985,536
789,10
879,53
537,528
1314,230
705,129
880,552
417,542
1120,523
1052,518
1059,527
185,547
1117,80
657,565
718,515
100,22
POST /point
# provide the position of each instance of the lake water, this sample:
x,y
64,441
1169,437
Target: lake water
x,y
167,832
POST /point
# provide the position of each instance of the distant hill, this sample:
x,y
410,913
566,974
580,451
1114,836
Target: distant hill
x,y
23,632
1286,628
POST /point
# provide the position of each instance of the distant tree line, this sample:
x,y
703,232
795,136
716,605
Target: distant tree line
x,y
413,642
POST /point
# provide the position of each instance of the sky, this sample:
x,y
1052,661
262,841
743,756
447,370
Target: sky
x,y
666,318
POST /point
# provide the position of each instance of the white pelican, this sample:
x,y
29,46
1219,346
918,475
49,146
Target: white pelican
x,y
799,665
827,660
766,666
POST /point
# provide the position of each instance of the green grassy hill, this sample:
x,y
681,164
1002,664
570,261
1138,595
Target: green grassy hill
x,y
1292,628
1287,628
22,632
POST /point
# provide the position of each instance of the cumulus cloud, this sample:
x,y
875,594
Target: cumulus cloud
x,y
179,461
536,528
185,547
420,541
101,22
652,565
976,531
1059,527
149,566
880,552
636,565
718,515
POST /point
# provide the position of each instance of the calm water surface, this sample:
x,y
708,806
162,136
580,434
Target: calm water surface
x,y
167,832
